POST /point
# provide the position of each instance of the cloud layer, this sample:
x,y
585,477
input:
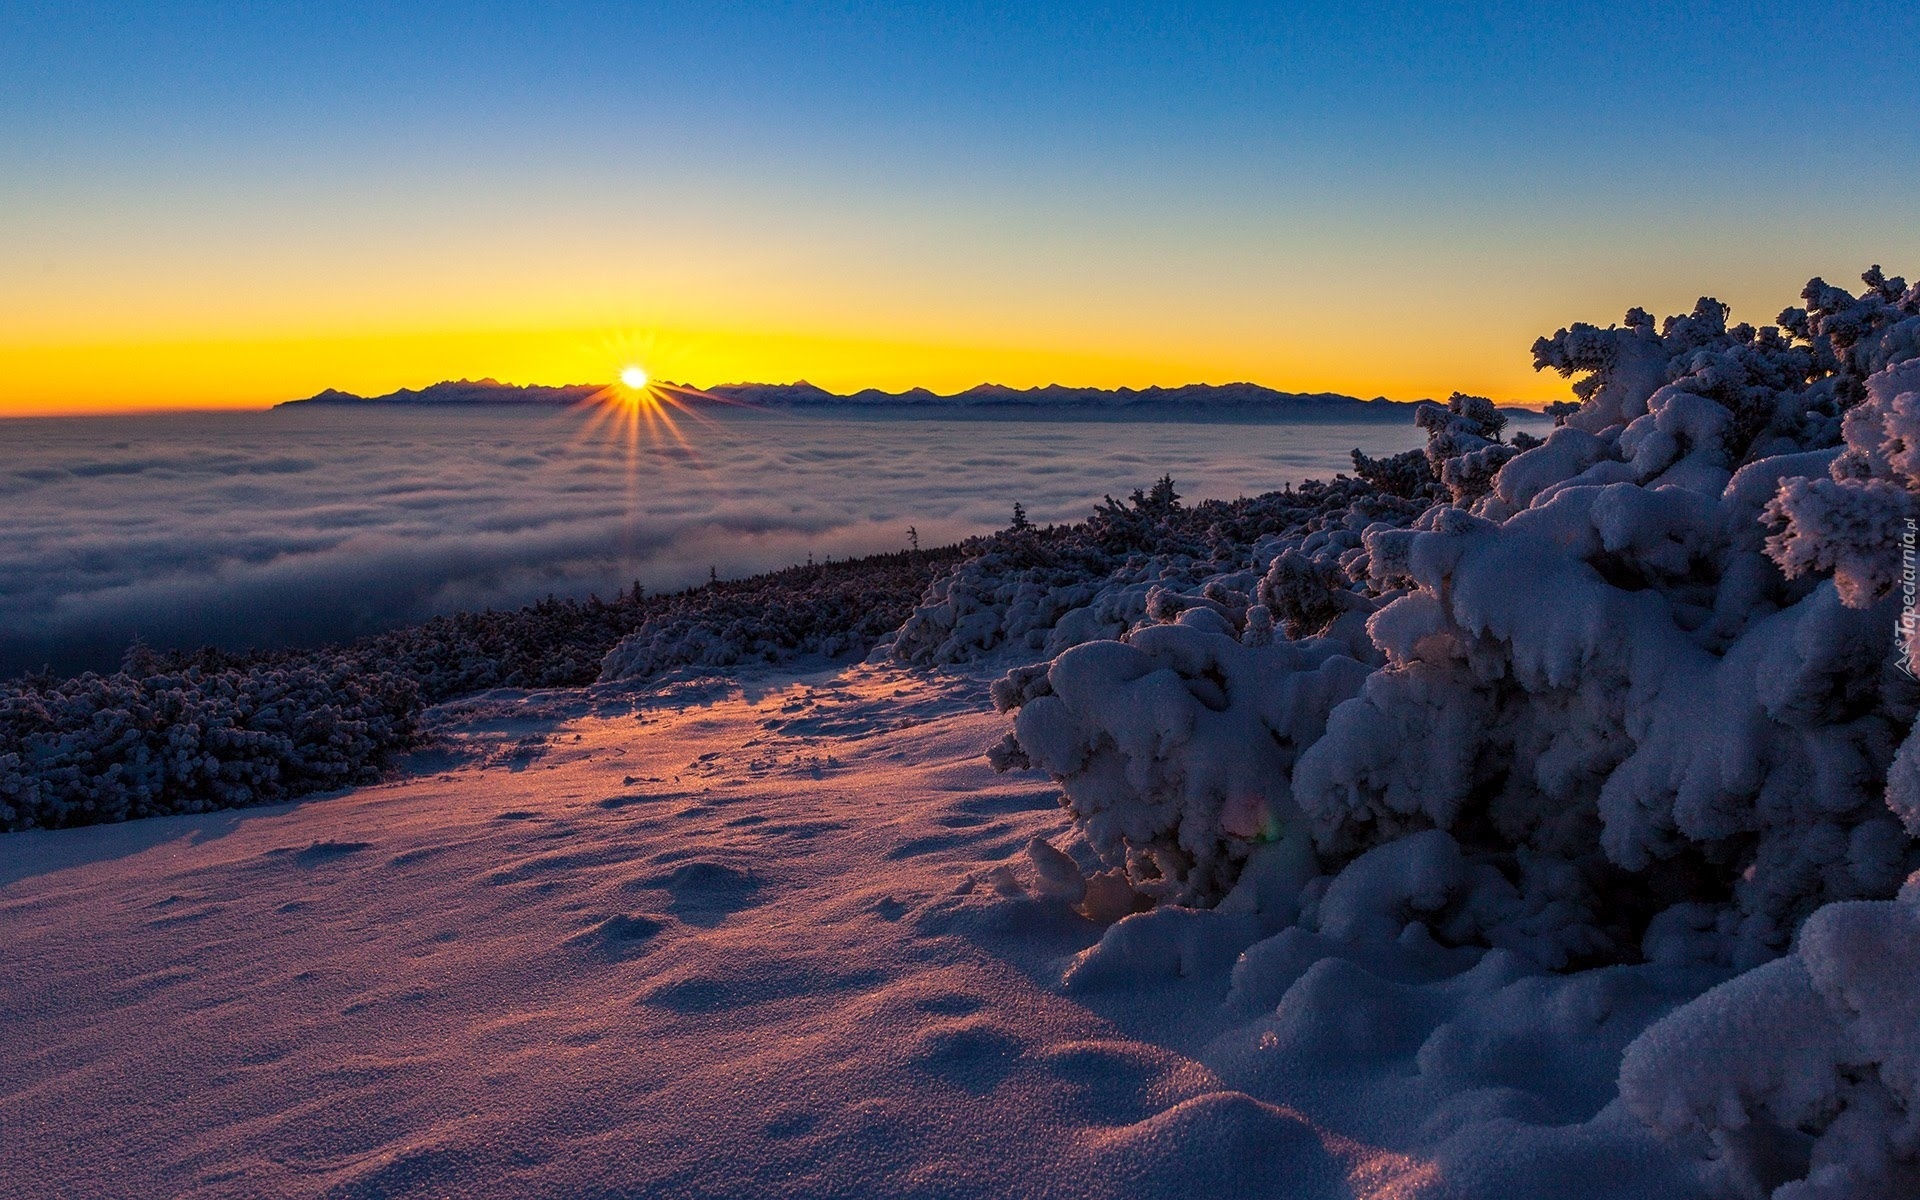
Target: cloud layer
x,y
300,527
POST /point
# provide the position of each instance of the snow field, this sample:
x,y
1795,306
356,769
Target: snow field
x,y
713,939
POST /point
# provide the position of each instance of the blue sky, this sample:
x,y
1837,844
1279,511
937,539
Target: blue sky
x,y
1004,181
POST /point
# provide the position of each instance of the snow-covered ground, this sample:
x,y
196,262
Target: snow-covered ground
x,y
778,934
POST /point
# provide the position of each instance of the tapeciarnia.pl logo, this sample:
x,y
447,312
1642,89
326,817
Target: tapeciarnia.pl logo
x,y
1903,641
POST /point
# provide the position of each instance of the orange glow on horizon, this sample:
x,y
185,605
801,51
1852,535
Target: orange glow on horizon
x,y
258,372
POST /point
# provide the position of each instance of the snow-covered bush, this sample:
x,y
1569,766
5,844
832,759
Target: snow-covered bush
x,y
1642,690
150,740
1644,663
1802,1076
1108,718
1464,450
833,610
189,732
1150,559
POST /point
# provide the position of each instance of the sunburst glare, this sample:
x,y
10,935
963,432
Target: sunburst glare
x,y
638,406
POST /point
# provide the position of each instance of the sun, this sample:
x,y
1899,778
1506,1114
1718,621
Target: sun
x,y
635,406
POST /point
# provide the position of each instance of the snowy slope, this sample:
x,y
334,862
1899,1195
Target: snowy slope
x,y
775,935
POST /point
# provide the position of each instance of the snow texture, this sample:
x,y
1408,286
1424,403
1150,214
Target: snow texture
x,y
774,935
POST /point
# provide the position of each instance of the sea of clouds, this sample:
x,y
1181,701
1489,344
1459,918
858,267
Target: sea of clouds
x,y
301,527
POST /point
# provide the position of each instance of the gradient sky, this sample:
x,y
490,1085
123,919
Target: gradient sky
x,y
220,205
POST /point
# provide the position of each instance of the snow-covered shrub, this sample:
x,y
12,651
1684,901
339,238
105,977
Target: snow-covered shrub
x,y
832,610
1409,476
1464,450
188,732
1643,665
1149,560
1302,593
149,740
1173,685
1851,523
1802,1076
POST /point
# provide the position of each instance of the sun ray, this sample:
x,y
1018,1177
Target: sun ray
x,y
638,411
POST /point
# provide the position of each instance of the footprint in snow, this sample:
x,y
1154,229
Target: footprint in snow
x,y
704,892
618,937
1120,1082
974,1055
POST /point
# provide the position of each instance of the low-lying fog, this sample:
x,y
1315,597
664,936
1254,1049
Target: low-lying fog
x,y
299,527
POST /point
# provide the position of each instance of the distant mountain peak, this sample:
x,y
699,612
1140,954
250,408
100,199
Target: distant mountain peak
x,y
461,391
1246,398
